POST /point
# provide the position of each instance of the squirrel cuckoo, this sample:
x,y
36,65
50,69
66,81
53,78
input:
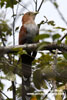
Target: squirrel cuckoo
x,y
29,30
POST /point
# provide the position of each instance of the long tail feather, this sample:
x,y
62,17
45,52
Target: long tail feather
x,y
26,74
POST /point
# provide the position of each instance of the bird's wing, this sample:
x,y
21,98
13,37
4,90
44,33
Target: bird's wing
x,y
22,35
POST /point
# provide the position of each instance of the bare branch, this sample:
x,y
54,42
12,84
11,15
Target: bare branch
x,y
13,24
5,95
23,6
13,27
36,5
63,37
32,47
61,15
40,5
14,90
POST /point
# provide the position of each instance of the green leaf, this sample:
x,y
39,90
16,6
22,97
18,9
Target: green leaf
x,y
1,86
65,55
66,40
56,36
5,28
41,45
59,42
41,37
8,98
16,28
10,76
51,23
42,22
2,4
10,88
55,4
37,78
62,29
9,3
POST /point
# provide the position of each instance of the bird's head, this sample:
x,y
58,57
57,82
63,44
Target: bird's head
x,y
29,16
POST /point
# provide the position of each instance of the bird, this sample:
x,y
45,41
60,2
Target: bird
x,y
28,31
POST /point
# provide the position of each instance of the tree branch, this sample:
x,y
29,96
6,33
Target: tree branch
x,y
36,5
14,90
63,37
32,47
40,5
5,95
61,15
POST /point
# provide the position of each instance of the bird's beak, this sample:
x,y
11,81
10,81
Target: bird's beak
x,y
35,13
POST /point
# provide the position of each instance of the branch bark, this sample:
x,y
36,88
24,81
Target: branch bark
x,y
32,47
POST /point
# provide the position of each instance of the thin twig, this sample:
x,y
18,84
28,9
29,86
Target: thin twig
x,y
40,5
43,22
13,28
63,37
34,1
17,10
23,6
14,90
61,15
36,5
5,95
47,94
14,18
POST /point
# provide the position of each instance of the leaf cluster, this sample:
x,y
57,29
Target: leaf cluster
x,y
5,30
8,3
9,63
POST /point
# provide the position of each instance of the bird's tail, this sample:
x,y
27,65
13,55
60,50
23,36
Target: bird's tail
x,y
26,72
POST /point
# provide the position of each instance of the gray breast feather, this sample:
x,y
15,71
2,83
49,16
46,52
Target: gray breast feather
x,y
32,29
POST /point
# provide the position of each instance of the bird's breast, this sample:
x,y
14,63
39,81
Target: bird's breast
x,y
32,29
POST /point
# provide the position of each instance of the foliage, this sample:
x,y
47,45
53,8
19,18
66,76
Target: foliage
x,y
8,3
5,31
10,66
